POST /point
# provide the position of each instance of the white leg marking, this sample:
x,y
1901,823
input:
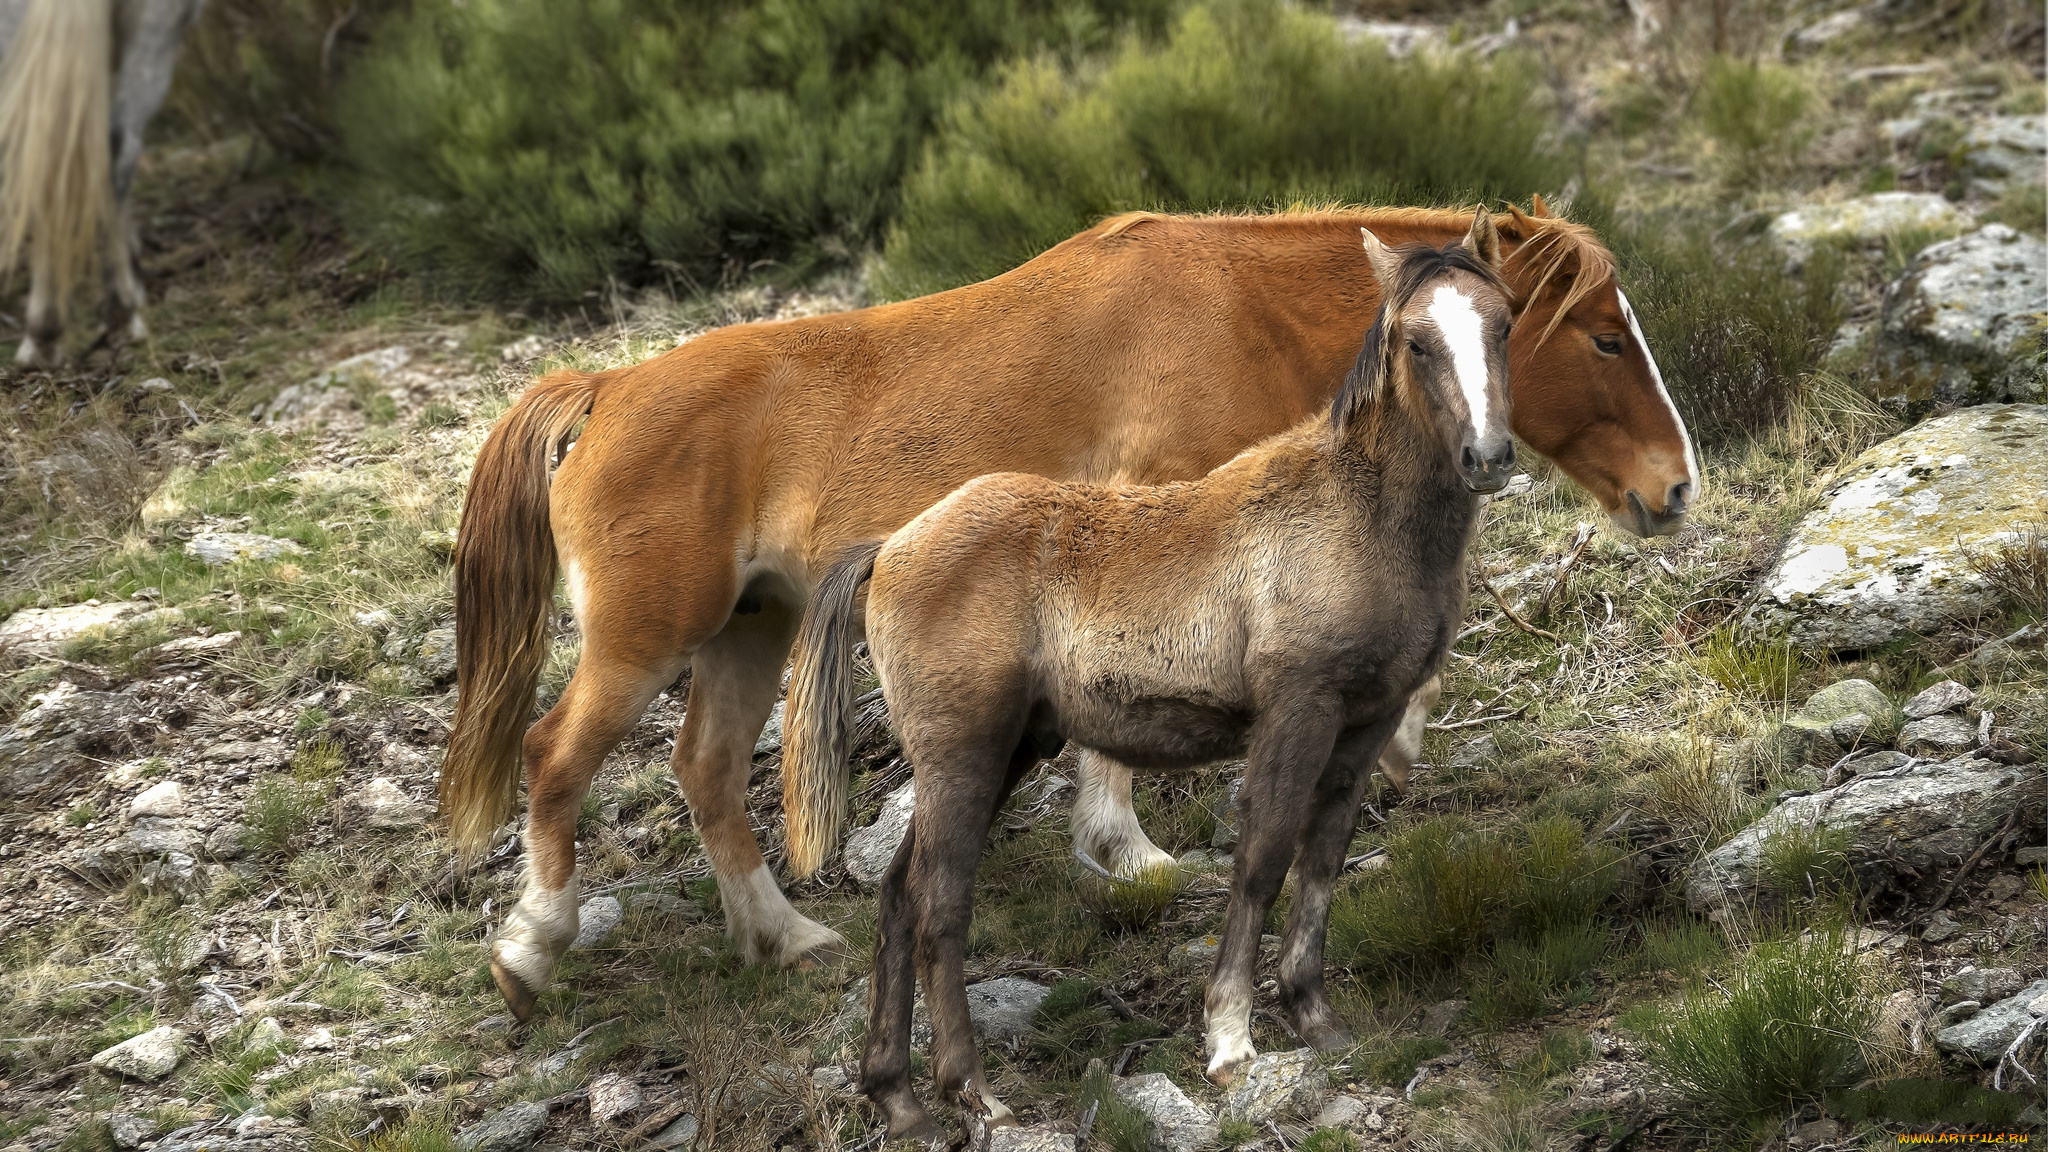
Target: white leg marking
x,y
1230,1034
768,929
1104,824
1458,321
538,931
1692,465
579,591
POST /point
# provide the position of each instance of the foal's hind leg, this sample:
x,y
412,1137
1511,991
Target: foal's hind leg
x,y
1333,817
733,681
885,1059
563,752
1104,824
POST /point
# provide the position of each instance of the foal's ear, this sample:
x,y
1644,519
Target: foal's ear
x,y
1483,241
1384,265
1537,207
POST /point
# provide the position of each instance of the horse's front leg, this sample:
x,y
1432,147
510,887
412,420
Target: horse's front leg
x,y
1406,747
1289,747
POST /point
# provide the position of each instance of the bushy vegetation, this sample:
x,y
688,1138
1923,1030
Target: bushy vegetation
x,y
1248,104
270,68
546,150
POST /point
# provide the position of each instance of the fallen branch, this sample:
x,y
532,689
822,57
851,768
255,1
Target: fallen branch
x,y
1949,891
1513,617
1478,720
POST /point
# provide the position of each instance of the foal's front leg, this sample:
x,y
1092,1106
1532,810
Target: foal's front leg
x,y
1289,748
1332,818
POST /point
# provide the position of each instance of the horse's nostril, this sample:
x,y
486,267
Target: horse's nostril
x,y
1507,458
1678,499
1469,460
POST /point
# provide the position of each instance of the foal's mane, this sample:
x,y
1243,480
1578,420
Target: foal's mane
x,y
1420,264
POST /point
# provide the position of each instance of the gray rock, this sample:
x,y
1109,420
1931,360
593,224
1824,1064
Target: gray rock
x,y
612,1096
1940,926
1342,1112
680,1133
1862,224
1176,1123
1197,955
228,841
1983,985
279,1140
1845,698
215,549
68,730
1475,753
164,799
596,919
1224,838
385,805
1947,696
435,656
830,1077
44,631
505,1130
869,850
1925,819
1850,729
1887,553
1001,1009
1831,719
266,1036
1276,1085
1883,761
1030,1138
2003,149
770,740
1196,861
1960,1010
130,1130
150,1056
1984,1037
1438,1019
663,904
1938,736
1963,324
174,873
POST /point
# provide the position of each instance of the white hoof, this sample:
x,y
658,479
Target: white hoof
x,y
769,931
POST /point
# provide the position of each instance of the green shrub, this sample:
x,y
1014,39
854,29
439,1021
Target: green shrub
x,y
280,808
1442,889
1785,1026
1754,670
1249,103
1132,904
544,148
269,67
1806,861
1754,113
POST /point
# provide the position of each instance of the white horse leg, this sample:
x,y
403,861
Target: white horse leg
x,y
1104,824
39,348
1406,746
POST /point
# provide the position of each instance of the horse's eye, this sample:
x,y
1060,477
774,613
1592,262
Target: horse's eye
x,y
1608,345
1415,349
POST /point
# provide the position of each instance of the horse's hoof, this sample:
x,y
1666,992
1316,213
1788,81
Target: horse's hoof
x,y
830,954
922,1130
518,997
1222,1074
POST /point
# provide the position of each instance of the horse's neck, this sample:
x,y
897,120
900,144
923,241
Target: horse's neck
x,y
1398,468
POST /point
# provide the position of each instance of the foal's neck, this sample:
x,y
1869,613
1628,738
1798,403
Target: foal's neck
x,y
1397,465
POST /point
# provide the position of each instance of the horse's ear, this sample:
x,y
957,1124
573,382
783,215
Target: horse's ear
x,y
1384,265
1483,240
1538,208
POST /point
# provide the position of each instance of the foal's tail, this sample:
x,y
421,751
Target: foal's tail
x,y
55,90
818,717
504,594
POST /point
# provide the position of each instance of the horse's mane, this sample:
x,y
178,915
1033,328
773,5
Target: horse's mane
x,y
1419,264
1551,246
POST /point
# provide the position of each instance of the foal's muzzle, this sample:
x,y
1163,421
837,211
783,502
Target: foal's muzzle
x,y
1487,465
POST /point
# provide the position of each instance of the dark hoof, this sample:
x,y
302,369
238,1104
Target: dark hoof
x,y
518,997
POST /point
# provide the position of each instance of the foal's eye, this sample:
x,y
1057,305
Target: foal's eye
x,y
1415,348
1608,345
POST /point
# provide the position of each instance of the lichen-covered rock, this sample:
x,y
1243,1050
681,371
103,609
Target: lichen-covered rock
x,y
1001,1009
44,631
1964,323
1862,222
150,1056
1984,985
1176,1123
1938,736
130,1129
869,849
1278,1084
1832,719
1933,700
166,799
216,549
149,840
1031,1138
1926,818
1885,553
506,1130
596,919
613,1095
2002,149
1984,1037
770,739
69,728
385,805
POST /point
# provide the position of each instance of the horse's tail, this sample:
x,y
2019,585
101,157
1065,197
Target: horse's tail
x,y
55,90
504,595
817,720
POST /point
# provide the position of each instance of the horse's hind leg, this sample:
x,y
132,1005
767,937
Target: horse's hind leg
x,y
733,680
45,318
1406,746
892,990
1333,817
1104,824
124,279
563,752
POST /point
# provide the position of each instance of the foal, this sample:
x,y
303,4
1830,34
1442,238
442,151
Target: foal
x,y
1283,606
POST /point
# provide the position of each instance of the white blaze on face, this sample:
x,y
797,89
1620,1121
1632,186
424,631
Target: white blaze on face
x,y
1458,320
1692,467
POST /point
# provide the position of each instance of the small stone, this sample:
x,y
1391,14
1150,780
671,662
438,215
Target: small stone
x,y
770,740
1176,1123
596,918
228,842
189,648
266,1036
1876,762
493,1024
435,656
1940,926
1985,1036
174,873
1374,1121
869,850
1849,729
1938,736
1983,984
506,1130
1342,1112
387,806
318,1040
1197,861
1846,698
164,799
1960,1010
1439,1018
830,1077
680,1133
1475,753
2033,854
1030,1138
1002,1009
613,1096
130,1129
259,1125
1224,838
1198,954
1278,1084
1947,696
215,549
150,1056
663,904
1822,1131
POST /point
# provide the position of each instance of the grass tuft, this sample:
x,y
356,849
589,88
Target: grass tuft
x,y
2017,568
1136,903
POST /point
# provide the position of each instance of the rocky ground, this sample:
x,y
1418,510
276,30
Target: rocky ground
x,y
1815,716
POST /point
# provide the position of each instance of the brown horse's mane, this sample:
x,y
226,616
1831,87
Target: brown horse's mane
x,y
1549,247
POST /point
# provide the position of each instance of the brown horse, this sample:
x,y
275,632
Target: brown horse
x,y
712,485
1284,606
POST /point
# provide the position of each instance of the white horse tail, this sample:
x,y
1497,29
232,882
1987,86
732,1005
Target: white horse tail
x,y
55,88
